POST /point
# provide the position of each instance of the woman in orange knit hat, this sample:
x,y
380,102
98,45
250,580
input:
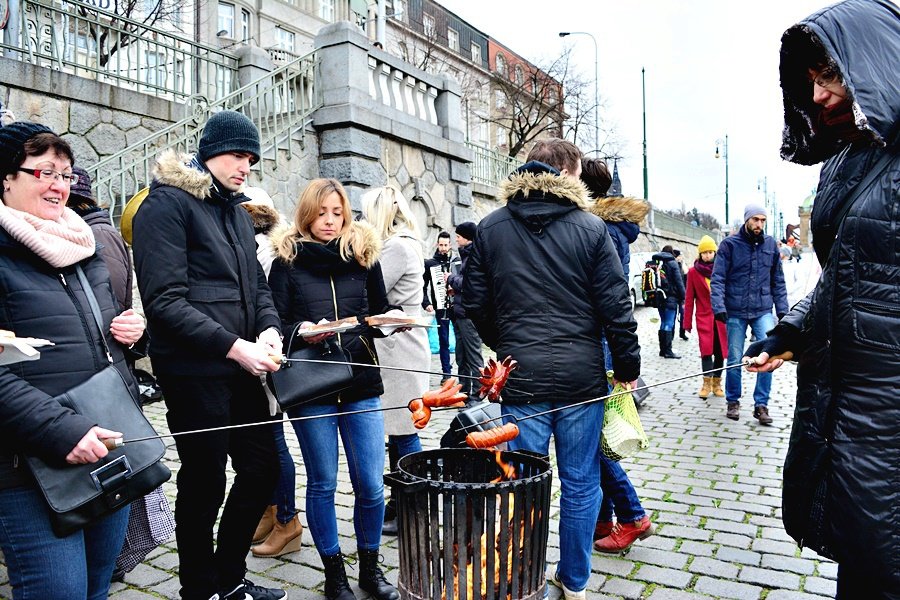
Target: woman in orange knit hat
x,y
710,332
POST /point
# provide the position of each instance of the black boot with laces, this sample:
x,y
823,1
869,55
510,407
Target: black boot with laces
x,y
372,580
336,585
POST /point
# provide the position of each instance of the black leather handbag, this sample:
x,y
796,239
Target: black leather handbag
x,y
300,382
80,494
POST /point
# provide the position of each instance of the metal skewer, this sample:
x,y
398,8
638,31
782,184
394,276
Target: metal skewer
x,y
281,359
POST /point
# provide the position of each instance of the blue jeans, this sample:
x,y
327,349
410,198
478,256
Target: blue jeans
x,y
41,565
401,445
737,335
667,318
619,495
283,496
444,343
576,434
363,439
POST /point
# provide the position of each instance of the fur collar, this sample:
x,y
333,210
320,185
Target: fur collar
x,y
175,169
522,184
616,210
364,242
264,218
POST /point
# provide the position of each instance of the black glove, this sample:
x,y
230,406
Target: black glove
x,y
722,317
781,316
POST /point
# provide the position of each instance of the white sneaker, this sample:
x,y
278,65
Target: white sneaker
x,y
553,577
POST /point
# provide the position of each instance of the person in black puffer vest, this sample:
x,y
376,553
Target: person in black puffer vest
x,y
327,269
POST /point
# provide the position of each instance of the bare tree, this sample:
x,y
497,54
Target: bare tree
x,y
694,216
133,17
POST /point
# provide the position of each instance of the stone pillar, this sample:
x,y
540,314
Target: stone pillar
x,y
253,63
804,214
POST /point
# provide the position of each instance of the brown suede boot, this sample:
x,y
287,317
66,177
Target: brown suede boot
x,y
706,388
265,525
283,539
717,387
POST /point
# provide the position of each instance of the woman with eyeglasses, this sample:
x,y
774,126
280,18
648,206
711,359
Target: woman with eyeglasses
x,y
42,242
840,82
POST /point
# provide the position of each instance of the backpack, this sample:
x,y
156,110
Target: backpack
x,y
654,284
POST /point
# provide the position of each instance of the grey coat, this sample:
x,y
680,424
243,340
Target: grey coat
x,y
403,266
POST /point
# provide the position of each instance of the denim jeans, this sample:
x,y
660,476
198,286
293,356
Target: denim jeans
x,y
667,318
737,334
401,445
41,565
619,495
576,434
283,496
444,343
363,439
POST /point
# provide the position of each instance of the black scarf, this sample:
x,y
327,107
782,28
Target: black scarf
x,y
751,237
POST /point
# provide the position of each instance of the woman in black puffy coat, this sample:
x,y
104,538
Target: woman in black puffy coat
x,y
327,269
840,72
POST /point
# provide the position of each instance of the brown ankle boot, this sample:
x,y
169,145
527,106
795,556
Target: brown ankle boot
x,y
265,525
283,539
706,388
717,387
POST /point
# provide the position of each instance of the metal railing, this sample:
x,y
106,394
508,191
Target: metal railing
x,y
670,224
396,86
280,103
78,38
490,167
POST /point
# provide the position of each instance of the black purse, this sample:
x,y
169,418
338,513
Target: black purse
x,y
297,383
80,494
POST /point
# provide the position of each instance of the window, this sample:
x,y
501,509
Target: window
x,y
285,39
326,10
428,25
226,19
520,75
502,138
155,69
453,39
245,24
223,81
476,53
502,67
499,99
400,9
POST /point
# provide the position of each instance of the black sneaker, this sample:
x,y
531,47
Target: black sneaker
x,y
247,590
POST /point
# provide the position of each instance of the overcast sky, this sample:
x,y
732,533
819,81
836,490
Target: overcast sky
x,y
711,69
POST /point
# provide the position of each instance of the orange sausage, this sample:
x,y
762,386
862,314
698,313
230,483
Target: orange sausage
x,y
492,437
421,417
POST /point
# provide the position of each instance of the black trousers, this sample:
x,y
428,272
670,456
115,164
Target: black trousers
x,y
468,354
199,403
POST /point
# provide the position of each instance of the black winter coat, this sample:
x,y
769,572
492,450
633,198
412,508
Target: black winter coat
x,y
845,440
318,285
456,279
542,283
448,262
195,257
41,301
674,277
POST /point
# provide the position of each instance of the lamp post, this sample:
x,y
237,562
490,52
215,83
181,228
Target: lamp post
x,y
763,186
644,107
725,156
596,84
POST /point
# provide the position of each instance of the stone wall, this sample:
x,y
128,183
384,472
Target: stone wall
x,y
97,119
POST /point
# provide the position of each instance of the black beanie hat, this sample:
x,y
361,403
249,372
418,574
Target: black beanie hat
x,y
228,131
467,230
12,144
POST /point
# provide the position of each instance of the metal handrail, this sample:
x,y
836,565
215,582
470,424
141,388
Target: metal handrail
x,y
490,167
280,103
78,38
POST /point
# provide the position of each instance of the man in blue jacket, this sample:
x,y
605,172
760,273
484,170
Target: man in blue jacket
x,y
747,281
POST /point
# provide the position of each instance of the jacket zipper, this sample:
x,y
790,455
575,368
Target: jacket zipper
x,y
336,317
87,328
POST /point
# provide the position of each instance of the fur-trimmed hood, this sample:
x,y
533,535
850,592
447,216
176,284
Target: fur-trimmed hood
x,y
363,244
179,170
537,181
617,210
264,217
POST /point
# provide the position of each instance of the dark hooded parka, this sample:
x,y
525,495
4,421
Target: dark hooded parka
x,y
842,471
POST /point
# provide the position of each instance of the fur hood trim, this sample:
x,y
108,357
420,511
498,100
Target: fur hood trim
x,y
364,242
175,169
616,210
264,218
524,183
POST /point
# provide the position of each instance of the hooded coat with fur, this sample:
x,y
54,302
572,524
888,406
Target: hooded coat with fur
x,y
319,284
542,283
623,217
200,282
841,492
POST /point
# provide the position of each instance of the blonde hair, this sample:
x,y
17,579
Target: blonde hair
x,y
307,212
388,211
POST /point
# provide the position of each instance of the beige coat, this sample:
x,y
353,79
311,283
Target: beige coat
x,y
402,265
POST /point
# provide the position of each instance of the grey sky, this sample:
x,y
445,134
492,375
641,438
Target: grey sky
x,y
712,69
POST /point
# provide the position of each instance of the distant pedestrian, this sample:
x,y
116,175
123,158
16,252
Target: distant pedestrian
x,y
668,311
468,344
747,282
441,264
711,334
684,269
840,72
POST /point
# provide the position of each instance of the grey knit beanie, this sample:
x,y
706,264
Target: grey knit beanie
x,y
751,210
228,131
12,144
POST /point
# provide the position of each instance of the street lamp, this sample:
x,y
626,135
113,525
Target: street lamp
x,y
596,92
725,156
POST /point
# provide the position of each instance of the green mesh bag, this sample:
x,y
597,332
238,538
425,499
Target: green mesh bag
x,y
622,435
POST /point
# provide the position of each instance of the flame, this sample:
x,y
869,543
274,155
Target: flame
x,y
507,470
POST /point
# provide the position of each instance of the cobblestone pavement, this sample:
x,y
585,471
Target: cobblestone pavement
x,y
712,486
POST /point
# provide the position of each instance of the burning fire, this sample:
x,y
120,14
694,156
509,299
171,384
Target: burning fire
x,y
507,470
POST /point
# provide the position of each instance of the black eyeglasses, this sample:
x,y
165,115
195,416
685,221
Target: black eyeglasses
x,y
51,175
826,77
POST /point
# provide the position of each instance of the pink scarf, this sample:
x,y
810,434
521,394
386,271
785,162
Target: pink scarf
x,y
61,243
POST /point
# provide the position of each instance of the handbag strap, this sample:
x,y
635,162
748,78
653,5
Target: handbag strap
x,y
95,309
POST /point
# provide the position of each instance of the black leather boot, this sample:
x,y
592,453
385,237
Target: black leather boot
x,y
336,585
670,335
662,343
372,580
